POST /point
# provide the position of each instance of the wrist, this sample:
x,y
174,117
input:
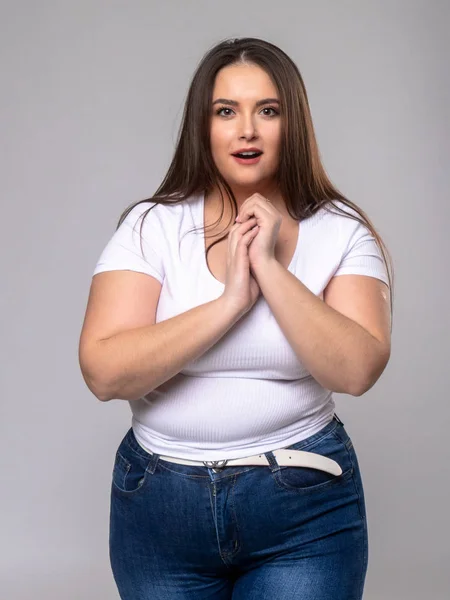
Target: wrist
x,y
263,268
229,311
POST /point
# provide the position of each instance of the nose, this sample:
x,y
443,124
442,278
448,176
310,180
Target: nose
x,y
247,128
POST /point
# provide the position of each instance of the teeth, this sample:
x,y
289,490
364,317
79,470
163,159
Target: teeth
x,y
248,153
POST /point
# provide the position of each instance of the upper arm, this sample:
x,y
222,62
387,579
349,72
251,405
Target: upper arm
x,y
359,288
365,300
118,300
127,281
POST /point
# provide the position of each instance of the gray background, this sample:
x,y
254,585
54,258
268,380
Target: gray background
x,y
91,99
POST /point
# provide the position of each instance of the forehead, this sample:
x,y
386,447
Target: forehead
x,y
243,81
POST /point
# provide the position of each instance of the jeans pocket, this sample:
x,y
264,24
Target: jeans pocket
x,y
305,479
130,473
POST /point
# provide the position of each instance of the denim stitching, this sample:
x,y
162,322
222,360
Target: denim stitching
x,y
123,459
234,519
137,451
353,479
210,501
148,456
126,462
273,464
365,559
141,453
344,476
319,487
314,442
201,476
127,469
238,547
127,466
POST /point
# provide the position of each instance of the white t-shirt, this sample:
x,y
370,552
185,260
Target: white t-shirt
x,y
248,393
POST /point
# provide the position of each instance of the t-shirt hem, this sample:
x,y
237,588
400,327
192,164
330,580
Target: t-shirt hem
x,y
219,454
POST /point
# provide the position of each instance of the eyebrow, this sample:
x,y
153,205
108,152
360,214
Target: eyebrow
x,y
234,103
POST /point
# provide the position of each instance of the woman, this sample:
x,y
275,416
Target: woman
x,y
236,479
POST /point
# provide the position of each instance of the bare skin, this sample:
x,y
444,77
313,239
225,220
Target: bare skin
x,y
284,249
249,123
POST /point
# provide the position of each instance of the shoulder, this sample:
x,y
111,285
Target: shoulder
x,y
332,213
345,220
154,214
140,210
338,212
334,222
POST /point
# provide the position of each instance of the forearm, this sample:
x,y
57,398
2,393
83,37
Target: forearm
x,y
132,363
340,354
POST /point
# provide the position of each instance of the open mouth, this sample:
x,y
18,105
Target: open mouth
x,y
247,155
247,158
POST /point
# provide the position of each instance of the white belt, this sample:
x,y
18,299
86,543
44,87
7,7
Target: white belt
x,y
284,456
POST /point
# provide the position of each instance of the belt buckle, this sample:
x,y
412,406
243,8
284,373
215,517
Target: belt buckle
x,y
215,464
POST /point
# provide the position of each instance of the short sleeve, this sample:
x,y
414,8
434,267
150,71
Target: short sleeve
x,y
362,255
125,251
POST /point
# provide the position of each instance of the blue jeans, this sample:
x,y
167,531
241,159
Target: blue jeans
x,y
242,533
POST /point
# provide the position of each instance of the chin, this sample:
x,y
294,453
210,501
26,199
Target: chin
x,y
247,179
251,186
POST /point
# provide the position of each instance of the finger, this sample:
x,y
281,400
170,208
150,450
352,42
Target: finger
x,y
241,227
237,230
254,210
248,237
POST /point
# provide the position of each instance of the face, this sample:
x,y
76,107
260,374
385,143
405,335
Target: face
x,y
247,116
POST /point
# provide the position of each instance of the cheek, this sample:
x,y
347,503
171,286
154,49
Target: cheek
x,y
276,146
222,132
276,137
220,144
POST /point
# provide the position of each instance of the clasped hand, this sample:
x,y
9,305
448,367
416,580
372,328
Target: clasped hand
x,y
261,250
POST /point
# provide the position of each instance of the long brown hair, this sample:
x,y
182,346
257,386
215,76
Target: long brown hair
x,y
301,178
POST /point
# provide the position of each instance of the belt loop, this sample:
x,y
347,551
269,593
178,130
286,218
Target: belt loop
x,y
338,419
273,465
152,463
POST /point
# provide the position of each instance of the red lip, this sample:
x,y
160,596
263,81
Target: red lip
x,y
247,161
246,150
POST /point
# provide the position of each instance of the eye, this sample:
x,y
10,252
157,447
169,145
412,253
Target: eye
x,y
221,109
274,111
